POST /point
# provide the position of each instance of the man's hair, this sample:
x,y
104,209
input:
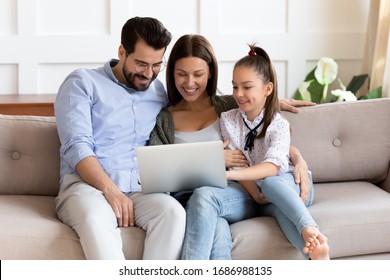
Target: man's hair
x,y
151,30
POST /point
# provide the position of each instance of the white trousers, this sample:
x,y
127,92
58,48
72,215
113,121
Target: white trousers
x,y
85,209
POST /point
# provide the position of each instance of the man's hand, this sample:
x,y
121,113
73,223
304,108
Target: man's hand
x,y
292,105
234,158
121,205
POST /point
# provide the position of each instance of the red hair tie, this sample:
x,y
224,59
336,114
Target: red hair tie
x,y
252,52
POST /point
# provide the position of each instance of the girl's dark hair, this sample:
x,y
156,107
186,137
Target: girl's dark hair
x,y
191,46
259,61
148,29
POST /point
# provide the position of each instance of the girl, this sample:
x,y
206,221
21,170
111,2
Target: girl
x,y
260,132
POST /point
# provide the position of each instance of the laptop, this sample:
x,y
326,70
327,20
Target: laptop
x,y
181,167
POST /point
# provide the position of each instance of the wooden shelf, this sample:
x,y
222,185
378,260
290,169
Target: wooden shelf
x,y
27,104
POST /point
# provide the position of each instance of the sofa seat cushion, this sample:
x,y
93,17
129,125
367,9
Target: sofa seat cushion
x,y
355,216
30,230
261,239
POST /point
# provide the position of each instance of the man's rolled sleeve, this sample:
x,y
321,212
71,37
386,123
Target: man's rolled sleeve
x,y
76,153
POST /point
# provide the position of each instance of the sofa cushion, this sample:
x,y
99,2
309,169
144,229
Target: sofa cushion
x,y
29,155
261,238
30,225
344,141
354,215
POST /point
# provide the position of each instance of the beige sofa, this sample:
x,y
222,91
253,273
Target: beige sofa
x,y
347,146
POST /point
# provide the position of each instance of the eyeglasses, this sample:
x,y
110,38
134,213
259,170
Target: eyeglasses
x,y
142,66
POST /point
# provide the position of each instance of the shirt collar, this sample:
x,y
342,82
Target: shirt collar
x,y
256,121
108,70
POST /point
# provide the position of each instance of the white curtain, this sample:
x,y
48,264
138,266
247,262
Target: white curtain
x,y
377,52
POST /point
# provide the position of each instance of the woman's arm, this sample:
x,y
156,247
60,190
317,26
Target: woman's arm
x,y
301,172
164,130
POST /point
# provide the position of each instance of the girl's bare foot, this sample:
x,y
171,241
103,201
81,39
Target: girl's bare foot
x,y
309,234
321,250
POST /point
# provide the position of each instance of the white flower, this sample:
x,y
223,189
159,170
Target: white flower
x,y
326,71
343,95
304,92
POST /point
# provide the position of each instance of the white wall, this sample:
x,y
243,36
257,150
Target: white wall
x,y
41,41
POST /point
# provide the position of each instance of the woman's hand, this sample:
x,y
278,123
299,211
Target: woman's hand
x,y
234,158
301,172
301,175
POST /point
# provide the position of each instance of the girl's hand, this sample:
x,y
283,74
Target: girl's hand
x,y
260,199
254,192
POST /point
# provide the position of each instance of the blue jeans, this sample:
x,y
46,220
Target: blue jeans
x,y
210,210
287,207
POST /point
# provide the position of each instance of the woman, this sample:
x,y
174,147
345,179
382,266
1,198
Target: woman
x,y
193,116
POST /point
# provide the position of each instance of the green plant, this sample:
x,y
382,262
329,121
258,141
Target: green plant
x,y
315,87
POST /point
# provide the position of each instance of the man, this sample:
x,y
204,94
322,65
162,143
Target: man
x,y
102,116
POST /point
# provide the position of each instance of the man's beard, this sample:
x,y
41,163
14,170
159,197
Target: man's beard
x,y
129,76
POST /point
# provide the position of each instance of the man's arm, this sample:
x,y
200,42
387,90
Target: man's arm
x,y
292,105
92,173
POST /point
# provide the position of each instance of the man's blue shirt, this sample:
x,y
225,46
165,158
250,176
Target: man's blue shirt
x,y
98,116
